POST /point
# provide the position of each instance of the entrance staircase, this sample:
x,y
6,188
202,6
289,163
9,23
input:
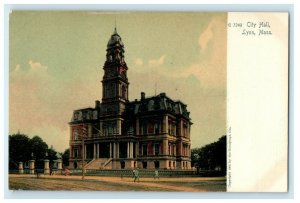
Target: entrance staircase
x,y
101,163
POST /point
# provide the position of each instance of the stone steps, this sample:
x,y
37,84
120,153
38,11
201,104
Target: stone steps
x,y
98,163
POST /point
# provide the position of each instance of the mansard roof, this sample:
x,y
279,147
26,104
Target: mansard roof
x,y
160,102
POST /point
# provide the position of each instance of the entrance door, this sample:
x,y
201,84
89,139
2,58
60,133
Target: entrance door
x,y
123,149
104,150
122,164
156,164
144,164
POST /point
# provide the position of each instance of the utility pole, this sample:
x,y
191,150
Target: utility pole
x,y
83,134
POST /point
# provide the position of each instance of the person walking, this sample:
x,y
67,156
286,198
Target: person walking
x,y
137,175
134,175
156,174
67,172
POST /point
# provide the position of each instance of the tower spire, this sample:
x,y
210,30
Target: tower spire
x,y
115,25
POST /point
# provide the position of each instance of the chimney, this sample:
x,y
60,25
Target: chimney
x,y
142,95
97,104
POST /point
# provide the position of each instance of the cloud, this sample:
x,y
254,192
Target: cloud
x,y
210,69
207,35
157,62
37,67
200,84
138,62
40,104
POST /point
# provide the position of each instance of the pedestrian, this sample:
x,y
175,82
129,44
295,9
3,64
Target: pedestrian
x,y
67,172
137,175
134,175
156,174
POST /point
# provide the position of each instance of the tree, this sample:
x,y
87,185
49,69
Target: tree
x,y
52,156
23,149
38,148
65,157
19,149
211,156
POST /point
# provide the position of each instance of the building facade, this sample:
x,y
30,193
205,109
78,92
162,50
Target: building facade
x,y
150,132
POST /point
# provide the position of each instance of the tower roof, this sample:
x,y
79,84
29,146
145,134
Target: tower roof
x,y
115,40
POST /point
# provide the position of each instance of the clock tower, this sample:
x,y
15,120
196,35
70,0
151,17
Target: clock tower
x,y
115,82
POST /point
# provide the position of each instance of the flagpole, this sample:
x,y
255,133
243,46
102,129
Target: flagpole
x,y
83,151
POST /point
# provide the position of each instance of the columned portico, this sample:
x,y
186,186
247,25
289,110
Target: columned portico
x,y
95,151
110,150
131,149
98,151
165,147
136,149
116,150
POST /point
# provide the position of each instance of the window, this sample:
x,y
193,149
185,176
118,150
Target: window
x,y
124,91
75,134
144,150
75,152
145,164
150,127
156,164
174,129
110,129
156,127
156,149
76,116
174,150
185,132
144,128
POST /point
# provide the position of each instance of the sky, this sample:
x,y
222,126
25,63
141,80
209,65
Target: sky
x,y
56,60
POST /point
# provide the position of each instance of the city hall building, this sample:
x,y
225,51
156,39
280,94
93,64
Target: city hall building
x,y
147,133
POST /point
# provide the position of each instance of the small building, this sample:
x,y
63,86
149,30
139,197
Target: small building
x,y
148,133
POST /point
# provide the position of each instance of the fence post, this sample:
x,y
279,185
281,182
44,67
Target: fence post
x,y
59,166
46,167
21,169
31,166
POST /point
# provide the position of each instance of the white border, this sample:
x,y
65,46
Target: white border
x,y
76,195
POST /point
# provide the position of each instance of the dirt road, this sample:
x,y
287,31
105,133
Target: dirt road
x,y
96,183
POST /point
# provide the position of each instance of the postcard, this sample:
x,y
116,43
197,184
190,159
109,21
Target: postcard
x,y
148,101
